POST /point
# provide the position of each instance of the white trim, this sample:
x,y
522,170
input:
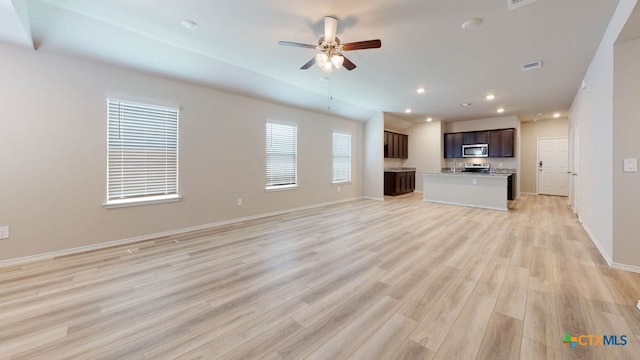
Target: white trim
x,y
528,193
595,242
373,198
281,122
147,200
607,259
281,187
635,269
50,255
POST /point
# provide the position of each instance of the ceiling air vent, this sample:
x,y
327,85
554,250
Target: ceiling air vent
x,y
514,4
532,65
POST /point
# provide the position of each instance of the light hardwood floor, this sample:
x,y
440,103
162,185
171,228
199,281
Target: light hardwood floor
x,y
399,279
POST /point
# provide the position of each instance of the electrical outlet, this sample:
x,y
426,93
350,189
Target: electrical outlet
x,y
239,201
4,232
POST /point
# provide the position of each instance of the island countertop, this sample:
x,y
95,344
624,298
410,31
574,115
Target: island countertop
x,y
484,190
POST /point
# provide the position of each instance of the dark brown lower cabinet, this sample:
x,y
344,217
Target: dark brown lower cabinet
x,y
399,182
511,186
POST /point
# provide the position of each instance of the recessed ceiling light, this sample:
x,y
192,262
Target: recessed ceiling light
x,y
420,91
500,110
189,24
407,110
536,119
465,104
490,97
429,119
472,24
556,115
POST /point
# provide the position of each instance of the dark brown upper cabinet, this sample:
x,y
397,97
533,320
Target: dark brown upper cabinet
x,y
506,148
501,142
396,145
453,145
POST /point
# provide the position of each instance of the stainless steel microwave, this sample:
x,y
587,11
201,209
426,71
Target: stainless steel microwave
x,y
477,150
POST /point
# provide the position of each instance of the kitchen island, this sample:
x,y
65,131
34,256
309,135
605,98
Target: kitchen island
x,y
481,190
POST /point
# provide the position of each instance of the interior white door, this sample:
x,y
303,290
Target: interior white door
x,y
553,166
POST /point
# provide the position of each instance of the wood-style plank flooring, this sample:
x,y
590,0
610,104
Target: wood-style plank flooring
x,y
399,279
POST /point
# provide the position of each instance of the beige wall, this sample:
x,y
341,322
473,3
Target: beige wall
x,y
530,132
501,122
425,149
373,178
591,118
53,154
626,131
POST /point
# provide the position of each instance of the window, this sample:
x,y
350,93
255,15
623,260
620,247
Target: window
x,y
341,157
142,153
282,149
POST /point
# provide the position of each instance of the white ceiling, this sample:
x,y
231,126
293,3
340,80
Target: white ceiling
x,y
236,48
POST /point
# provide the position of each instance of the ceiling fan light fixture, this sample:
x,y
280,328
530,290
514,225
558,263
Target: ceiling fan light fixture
x,y
321,59
327,67
337,60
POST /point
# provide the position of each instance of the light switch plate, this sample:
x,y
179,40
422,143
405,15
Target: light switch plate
x,y
630,165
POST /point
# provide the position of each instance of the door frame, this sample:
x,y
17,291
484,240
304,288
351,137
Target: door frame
x,y
574,165
537,169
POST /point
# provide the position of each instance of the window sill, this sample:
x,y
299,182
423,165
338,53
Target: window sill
x,y
281,188
114,204
346,182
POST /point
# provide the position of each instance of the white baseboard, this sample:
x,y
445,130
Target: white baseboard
x,y
527,193
50,255
373,198
635,269
595,242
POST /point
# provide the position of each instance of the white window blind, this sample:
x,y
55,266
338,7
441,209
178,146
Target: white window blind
x,y
142,151
341,157
282,149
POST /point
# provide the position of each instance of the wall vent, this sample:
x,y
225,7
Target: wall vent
x,y
532,65
514,4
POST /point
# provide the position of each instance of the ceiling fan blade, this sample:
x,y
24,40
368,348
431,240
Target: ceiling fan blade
x,y
309,64
330,28
360,45
290,43
347,64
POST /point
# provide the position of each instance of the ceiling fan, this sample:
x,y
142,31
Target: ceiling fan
x,y
330,49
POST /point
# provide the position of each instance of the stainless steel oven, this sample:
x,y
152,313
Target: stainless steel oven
x,y
477,150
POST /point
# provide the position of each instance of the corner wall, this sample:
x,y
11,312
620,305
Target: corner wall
x,y
425,149
591,118
53,154
373,178
626,130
